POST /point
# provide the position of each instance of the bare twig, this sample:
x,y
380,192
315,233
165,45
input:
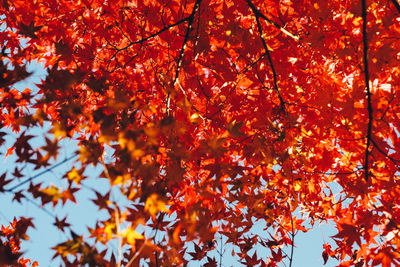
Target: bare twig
x,y
129,264
159,219
220,251
292,245
40,173
119,238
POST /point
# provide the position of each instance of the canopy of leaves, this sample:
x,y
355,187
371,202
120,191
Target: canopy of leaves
x,y
217,114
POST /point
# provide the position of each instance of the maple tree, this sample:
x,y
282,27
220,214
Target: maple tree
x,y
216,114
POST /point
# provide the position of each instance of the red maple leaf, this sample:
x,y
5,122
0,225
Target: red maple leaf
x,y
349,233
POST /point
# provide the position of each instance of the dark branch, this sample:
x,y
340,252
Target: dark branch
x,y
189,28
157,33
40,173
190,20
257,14
292,245
369,95
394,161
261,15
396,4
143,40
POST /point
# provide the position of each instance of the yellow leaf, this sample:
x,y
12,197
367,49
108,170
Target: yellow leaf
x,y
109,230
175,235
151,130
52,191
58,130
136,153
124,142
107,138
121,179
75,176
84,154
131,235
154,205
194,118
311,187
297,185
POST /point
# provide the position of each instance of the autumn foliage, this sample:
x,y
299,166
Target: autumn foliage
x,y
214,114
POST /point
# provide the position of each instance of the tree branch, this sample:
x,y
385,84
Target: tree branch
x,y
189,28
292,245
117,222
396,5
261,15
369,95
257,14
40,173
144,39
394,161
190,20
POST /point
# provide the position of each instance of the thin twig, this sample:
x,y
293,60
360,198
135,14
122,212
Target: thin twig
x,y
261,15
394,161
119,238
40,174
188,99
292,239
160,217
221,251
129,264
141,41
